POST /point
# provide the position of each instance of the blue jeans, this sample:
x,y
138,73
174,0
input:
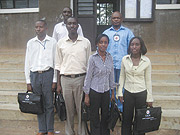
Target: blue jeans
x,y
116,79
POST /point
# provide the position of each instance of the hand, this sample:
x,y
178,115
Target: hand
x,y
54,87
29,88
59,89
86,100
112,97
121,99
149,104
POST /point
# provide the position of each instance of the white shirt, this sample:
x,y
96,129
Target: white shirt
x,y
40,56
136,78
72,57
60,31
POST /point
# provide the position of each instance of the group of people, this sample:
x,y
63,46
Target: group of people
x,y
118,70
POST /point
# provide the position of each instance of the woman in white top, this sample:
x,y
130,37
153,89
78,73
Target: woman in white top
x,y
135,78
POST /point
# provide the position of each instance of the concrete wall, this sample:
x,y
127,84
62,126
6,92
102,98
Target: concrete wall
x,y
161,35
17,29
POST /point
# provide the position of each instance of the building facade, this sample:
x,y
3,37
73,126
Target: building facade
x,y
156,21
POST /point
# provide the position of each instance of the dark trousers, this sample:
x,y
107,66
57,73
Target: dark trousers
x,y
42,84
99,100
131,101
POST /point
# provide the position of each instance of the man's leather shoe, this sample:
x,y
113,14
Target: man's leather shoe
x,y
50,133
41,133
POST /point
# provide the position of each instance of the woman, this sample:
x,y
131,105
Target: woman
x,y
135,78
98,82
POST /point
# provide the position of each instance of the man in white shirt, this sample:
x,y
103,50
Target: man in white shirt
x,y
60,30
41,77
72,56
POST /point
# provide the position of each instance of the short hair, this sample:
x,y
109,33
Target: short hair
x,y
68,7
43,21
73,18
100,36
143,49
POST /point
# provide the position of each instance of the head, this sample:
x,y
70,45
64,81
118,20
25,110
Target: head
x,y
67,12
41,28
137,45
102,42
72,25
116,19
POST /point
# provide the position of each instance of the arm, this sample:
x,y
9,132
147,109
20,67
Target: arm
x,y
111,81
119,93
148,85
88,79
27,69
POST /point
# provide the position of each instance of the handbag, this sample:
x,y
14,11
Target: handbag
x,y
147,119
114,115
30,103
60,106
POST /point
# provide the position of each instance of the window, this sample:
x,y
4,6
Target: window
x,y
12,4
168,4
138,10
104,11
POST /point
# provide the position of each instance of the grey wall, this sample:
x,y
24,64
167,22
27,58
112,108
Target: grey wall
x,y
161,35
17,29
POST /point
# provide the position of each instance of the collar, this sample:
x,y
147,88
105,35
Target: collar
x,y
79,38
96,53
142,57
121,28
45,39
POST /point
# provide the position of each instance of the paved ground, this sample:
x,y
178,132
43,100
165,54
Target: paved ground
x,y
30,128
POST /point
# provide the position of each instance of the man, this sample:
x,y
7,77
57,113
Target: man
x,y
72,54
40,75
119,38
60,30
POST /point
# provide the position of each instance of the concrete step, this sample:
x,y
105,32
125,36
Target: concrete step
x,y
166,67
12,74
12,56
12,64
170,119
167,101
161,88
166,76
12,85
164,57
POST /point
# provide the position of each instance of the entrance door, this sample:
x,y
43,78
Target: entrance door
x,y
94,16
85,11
104,10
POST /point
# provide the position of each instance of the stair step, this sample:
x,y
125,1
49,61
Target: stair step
x,y
170,119
166,77
12,56
161,66
12,74
12,64
12,85
167,102
164,58
161,88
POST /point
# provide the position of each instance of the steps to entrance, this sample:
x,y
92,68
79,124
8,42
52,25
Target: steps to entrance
x,y
165,81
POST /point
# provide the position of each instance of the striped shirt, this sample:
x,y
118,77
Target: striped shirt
x,y
100,74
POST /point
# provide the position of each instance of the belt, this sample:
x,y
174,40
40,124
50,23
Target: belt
x,y
74,76
40,72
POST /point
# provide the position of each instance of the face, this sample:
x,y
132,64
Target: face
x,y
116,19
40,28
135,46
72,25
102,44
66,13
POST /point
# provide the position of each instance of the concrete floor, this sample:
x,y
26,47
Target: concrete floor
x,y
30,128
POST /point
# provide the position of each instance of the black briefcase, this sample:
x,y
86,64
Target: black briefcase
x,y
114,116
60,106
147,120
30,103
